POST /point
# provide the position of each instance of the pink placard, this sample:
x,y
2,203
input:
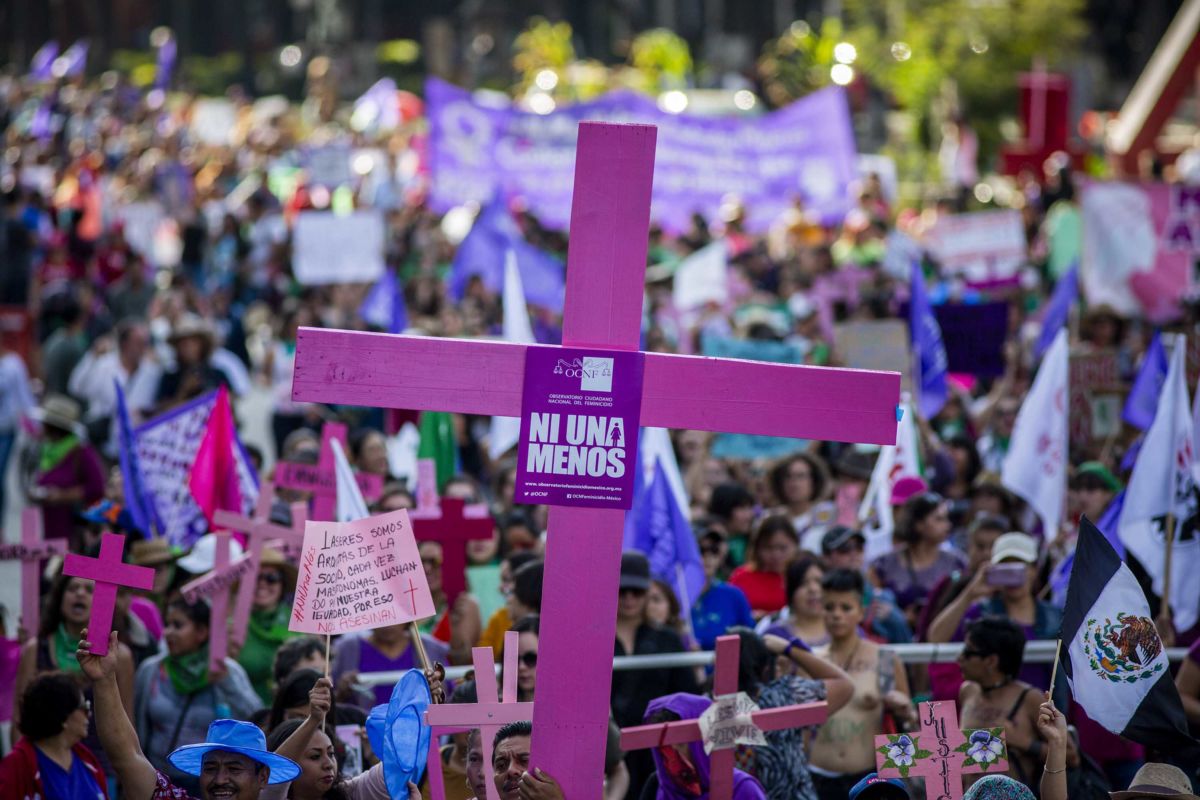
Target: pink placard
x,y
360,575
579,427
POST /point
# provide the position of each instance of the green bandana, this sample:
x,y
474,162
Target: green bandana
x,y
188,672
270,625
64,650
52,453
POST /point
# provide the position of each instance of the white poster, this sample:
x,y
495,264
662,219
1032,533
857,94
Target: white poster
x,y
328,248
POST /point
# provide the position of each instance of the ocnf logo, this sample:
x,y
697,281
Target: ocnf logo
x,y
596,375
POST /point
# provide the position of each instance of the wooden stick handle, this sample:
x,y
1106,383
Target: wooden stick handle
x,y
1054,669
415,634
1169,524
327,642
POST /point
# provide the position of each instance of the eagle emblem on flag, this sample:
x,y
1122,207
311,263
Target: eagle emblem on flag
x,y
1125,650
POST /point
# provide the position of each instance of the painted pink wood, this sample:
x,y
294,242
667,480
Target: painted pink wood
x,y
32,552
108,571
290,541
484,377
452,529
725,675
321,481
218,629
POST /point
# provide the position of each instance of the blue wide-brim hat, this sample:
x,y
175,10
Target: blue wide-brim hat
x,y
233,736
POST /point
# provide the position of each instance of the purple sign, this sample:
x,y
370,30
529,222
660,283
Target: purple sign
x,y
804,151
579,427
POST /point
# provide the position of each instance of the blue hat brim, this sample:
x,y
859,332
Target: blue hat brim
x,y
189,760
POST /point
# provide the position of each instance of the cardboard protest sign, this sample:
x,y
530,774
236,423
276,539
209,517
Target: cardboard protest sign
x,y
1097,397
729,722
980,245
875,344
330,248
360,575
941,753
579,426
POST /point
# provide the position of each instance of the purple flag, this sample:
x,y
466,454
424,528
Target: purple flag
x,y
384,306
41,126
928,349
1060,579
73,62
658,527
42,64
482,253
1066,291
139,503
377,108
166,63
1142,402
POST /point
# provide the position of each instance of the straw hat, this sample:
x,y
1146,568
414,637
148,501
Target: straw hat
x,y
273,558
150,552
61,412
1157,780
191,325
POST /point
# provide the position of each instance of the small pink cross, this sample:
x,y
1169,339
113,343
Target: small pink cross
x,y
108,571
941,753
321,480
452,528
31,552
256,529
688,730
486,713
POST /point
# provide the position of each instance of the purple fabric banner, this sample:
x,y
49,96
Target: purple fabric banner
x,y
805,151
579,427
974,337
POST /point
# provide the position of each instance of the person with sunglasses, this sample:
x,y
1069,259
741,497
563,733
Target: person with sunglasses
x,y
720,606
268,627
51,761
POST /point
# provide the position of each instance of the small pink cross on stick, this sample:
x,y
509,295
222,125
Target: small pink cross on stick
x,y
31,552
941,753
451,523
109,571
321,480
688,730
486,714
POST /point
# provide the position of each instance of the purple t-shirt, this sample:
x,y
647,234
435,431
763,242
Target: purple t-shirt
x,y
911,585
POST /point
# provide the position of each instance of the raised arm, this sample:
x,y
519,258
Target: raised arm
x,y
320,700
946,623
1188,684
1052,727
838,686
116,732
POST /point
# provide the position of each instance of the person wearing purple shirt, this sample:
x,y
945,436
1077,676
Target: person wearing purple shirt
x,y
384,649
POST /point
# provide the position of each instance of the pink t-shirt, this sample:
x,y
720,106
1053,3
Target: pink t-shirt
x,y
10,655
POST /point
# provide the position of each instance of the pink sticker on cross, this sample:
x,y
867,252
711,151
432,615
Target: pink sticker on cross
x,y
489,713
31,552
321,480
109,571
941,753
610,217
725,676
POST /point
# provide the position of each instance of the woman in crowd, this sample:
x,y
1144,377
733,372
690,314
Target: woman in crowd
x,y
772,548
383,649
804,616
291,701
731,509
368,452
681,771
781,765
267,629
843,753
663,610
457,627
68,475
51,761
302,652
528,630
800,483
719,606
176,695
920,562
502,620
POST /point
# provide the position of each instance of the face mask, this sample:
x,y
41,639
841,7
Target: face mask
x,y
680,771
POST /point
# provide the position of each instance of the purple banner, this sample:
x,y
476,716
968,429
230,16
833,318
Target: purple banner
x,y
579,427
804,151
974,337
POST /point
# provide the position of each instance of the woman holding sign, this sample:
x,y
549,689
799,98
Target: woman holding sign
x,y
177,696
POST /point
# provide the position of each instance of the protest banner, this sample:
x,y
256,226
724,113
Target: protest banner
x,y
805,150
974,337
360,575
328,165
213,120
1097,396
875,344
979,246
941,753
332,248
1139,244
166,449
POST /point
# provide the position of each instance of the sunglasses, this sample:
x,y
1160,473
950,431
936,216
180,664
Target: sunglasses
x,y
632,591
529,659
271,578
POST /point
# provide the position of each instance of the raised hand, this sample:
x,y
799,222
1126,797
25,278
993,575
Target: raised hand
x,y
320,698
94,667
1051,724
537,785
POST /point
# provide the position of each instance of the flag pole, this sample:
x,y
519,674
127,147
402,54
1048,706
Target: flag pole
x,y
1169,524
1054,669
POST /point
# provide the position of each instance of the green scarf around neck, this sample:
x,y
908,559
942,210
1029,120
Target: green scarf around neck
x,y
270,625
188,672
64,650
52,454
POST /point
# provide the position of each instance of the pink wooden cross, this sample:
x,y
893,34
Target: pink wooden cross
x,y
108,571
31,552
257,529
218,617
941,753
485,713
321,480
720,773
610,217
451,523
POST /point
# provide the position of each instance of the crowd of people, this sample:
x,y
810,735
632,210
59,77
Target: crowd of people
x,y
208,299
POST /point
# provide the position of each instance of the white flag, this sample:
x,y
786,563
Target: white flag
x,y
655,446
901,460
350,503
702,277
1035,468
1163,483
506,431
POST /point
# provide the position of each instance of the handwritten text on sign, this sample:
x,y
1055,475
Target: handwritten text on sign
x,y
360,575
728,723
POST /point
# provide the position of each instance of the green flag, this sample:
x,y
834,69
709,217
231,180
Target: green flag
x,y
438,443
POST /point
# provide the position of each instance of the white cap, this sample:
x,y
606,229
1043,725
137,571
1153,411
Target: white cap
x,y
1016,545
204,554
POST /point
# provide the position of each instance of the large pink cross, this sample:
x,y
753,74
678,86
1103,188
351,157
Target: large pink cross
x,y
321,480
610,217
451,525
489,713
31,552
256,529
109,571
941,753
720,774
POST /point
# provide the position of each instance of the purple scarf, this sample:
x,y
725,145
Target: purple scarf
x,y
691,706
